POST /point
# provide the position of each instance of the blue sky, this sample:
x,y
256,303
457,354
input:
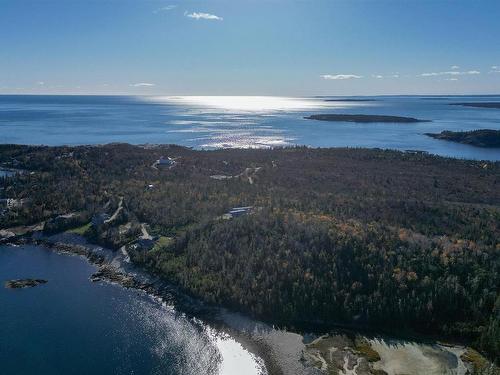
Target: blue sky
x,y
245,47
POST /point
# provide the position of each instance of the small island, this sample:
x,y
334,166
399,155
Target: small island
x,y
362,118
350,100
23,283
495,105
487,138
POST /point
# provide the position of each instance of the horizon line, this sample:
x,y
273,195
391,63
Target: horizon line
x,y
246,95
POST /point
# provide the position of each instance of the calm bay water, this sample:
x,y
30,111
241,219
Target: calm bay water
x,y
73,326
213,122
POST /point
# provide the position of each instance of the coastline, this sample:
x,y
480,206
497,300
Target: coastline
x,y
110,269
280,351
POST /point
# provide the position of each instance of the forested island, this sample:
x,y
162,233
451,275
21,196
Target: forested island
x,y
362,118
481,138
392,241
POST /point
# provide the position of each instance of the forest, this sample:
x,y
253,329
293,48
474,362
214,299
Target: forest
x,y
356,237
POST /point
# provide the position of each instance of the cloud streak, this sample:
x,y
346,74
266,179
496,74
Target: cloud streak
x,y
203,16
165,8
142,84
340,76
450,73
380,76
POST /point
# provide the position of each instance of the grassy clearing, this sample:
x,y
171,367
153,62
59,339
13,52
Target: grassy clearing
x,y
80,230
163,242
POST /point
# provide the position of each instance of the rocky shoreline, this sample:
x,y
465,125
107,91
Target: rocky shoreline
x,y
112,273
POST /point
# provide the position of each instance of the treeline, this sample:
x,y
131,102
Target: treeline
x,y
314,270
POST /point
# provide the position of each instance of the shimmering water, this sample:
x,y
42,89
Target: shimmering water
x,y
73,326
213,122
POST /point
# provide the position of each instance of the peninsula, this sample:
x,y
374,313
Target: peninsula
x,y
487,138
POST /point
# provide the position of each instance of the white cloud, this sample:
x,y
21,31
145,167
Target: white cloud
x,y
454,67
434,74
165,8
203,16
495,69
40,83
379,76
340,76
450,73
142,84
451,79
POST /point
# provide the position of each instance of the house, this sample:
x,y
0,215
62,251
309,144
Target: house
x,y
168,162
237,211
144,244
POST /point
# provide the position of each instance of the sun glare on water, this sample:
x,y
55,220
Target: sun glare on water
x,y
238,121
243,103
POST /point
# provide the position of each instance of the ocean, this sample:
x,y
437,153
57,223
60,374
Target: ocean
x,y
206,122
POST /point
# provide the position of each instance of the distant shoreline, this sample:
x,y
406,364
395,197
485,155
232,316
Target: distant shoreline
x,y
362,118
492,105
